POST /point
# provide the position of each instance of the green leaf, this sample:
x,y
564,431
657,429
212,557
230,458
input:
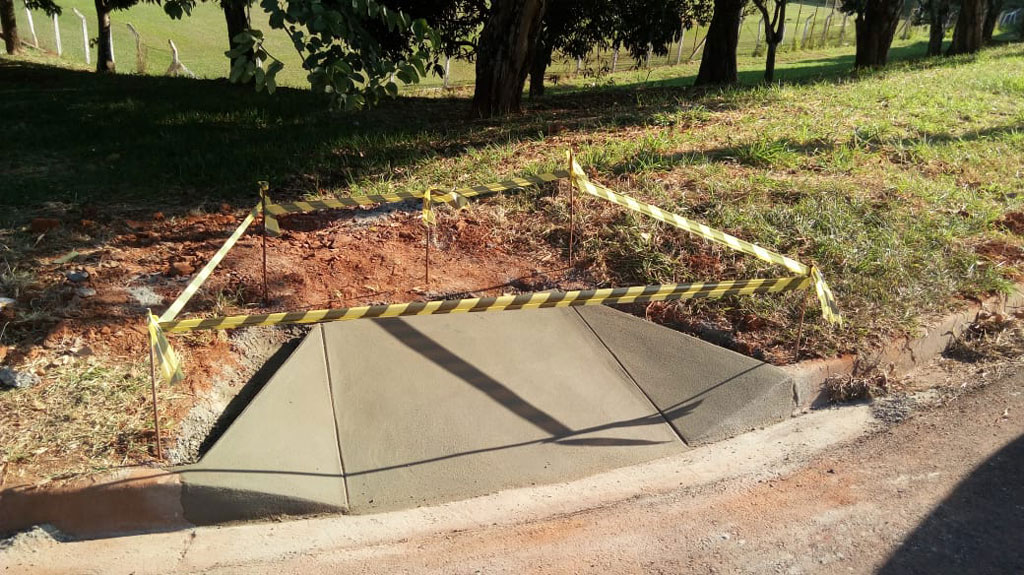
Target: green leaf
x,y
237,69
260,77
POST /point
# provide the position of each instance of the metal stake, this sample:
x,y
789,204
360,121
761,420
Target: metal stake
x,y
263,199
800,326
427,266
572,212
156,412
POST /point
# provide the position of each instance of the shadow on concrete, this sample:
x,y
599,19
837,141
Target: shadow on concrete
x,y
455,365
245,395
979,528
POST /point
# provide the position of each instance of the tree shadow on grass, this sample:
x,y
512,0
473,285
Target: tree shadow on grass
x,y
171,143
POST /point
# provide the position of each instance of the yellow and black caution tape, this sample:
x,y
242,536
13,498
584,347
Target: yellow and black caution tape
x,y
829,308
168,366
457,197
204,274
535,300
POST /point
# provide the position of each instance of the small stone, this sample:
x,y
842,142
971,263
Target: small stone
x,y
43,225
77,276
17,379
181,269
84,351
85,292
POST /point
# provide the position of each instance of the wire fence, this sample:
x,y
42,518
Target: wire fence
x,y
809,26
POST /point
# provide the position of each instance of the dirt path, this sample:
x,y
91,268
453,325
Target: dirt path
x,y
939,492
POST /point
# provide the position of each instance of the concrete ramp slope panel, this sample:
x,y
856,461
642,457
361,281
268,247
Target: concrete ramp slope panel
x,y
706,392
280,456
446,407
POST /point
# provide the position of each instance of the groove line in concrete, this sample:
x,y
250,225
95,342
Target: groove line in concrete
x,y
630,376
334,411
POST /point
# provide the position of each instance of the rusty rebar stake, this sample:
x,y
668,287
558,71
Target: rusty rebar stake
x,y
156,412
266,297
427,262
572,212
800,327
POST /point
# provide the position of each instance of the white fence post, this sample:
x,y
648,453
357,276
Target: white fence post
x,y
32,28
757,43
56,36
615,59
111,43
177,68
842,29
85,34
679,48
447,70
140,60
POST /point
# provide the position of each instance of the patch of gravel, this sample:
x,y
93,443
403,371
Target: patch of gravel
x,y
254,348
35,539
145,296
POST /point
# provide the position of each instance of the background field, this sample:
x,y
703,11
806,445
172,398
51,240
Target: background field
x,y
201,41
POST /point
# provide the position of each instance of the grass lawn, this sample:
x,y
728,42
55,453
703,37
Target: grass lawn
x,y
895,183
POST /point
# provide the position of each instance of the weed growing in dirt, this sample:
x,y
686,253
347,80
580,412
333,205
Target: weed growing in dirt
x,y
83,415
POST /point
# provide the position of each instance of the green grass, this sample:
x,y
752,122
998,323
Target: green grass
x,y
887,180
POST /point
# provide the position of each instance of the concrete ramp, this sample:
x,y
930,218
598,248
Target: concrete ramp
x,y
376,415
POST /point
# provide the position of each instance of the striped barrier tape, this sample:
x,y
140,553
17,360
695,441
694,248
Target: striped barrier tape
x,y
458,197
168,366
204,273
534,300
829,307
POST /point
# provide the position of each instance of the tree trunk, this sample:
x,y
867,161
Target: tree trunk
x,y
875,27
541,61
938,12
967,34
237,21
995,8
718,63
104,59
769,64
10,25
505,55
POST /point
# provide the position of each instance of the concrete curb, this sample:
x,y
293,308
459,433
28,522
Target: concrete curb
x,y
898,357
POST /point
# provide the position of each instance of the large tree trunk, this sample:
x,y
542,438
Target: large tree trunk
x,y
875,27
10,25
718,64
104,59
541,61
967,34
505,55
995,7
938,12
237,21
